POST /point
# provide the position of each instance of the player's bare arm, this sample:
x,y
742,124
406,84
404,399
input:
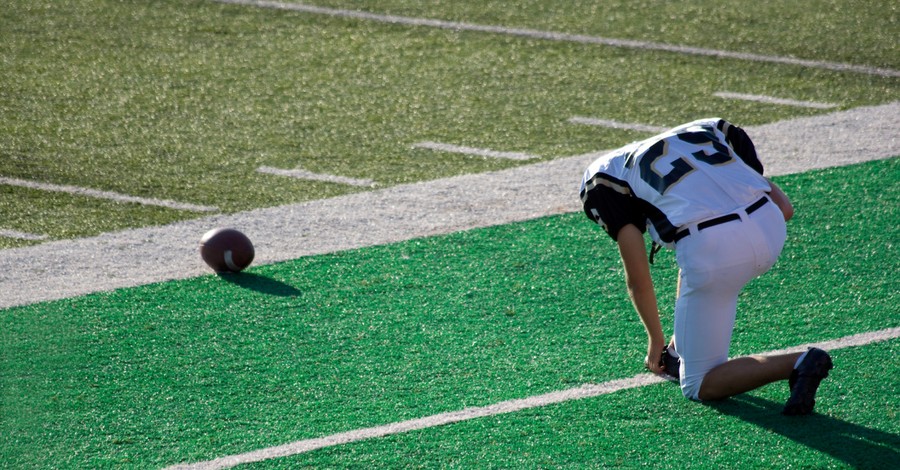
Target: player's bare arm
x,y
640,288
781,200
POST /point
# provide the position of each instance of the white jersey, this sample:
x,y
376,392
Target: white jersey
x,y
694,172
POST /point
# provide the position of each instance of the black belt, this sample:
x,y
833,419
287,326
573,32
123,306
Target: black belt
x,y
723,219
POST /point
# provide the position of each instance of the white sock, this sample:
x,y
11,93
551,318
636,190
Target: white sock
x,y
800,359
672,351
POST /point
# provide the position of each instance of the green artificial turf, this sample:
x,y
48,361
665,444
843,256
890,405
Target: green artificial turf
x,y
195,369
654,426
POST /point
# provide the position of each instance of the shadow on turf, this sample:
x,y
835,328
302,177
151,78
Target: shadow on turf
x,y
855,445
261,284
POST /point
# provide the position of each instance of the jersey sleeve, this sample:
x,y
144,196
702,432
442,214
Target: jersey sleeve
x,y
611,204
742,145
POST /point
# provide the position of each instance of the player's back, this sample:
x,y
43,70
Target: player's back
x,y
691,173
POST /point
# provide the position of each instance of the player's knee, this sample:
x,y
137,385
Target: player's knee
x,y
690,387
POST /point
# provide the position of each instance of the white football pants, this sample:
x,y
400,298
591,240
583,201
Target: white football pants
x,y
716,263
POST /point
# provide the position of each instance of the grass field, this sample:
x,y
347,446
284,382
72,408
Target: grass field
x,y
183,101
186,371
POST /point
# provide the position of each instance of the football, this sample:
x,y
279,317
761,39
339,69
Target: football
x,y
226,250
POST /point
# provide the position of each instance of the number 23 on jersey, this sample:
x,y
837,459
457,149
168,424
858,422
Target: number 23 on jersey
x,y
716,154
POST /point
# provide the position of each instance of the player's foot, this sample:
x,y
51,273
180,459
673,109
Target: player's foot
x,y
671,362
805,381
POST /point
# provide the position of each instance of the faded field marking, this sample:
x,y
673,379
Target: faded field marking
x,y
308,175
773,100
7,233
616,124
510,406
52,271
565,37
112,196
479,152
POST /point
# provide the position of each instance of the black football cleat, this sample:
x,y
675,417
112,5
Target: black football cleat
x,y
805,381
671,364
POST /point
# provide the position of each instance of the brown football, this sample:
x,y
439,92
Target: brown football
x,y
226,250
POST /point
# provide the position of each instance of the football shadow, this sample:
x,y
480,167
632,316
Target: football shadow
x,y
855,445
261,284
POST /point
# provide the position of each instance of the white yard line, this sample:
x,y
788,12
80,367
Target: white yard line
x,y
577,38
478,152
105,195
617,125
509,406
308,175
773,100
7,233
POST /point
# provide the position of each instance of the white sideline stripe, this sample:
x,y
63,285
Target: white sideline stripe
x,y
7,233
105,195
308,175
134,257
474,151
860,339
578,38
616,125
772,100
307,445
510,406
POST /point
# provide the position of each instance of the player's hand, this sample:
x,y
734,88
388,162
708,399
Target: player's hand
x,y
654,357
